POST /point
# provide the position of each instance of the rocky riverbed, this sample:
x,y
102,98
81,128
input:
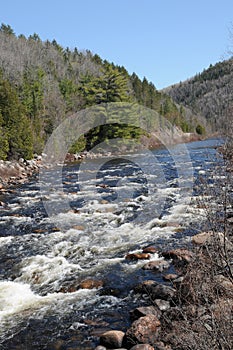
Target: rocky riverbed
x,y
71,276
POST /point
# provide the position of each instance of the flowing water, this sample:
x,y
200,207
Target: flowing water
x,y
53,237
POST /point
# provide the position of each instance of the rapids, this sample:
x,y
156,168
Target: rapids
x,y
116,206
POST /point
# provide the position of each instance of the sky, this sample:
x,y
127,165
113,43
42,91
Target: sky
x,y
167,41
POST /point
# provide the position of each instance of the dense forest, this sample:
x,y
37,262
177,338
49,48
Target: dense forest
x,y
41,83
209,93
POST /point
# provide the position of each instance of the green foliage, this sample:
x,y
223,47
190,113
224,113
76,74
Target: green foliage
x,y
32,92
110,86
4,145
6,29
200,130
15,132
34,37
68,90
79,145
185,127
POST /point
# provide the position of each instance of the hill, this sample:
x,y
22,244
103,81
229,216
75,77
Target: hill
x,y
41,83
209,93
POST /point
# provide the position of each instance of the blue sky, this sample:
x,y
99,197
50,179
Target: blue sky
x,y
165,40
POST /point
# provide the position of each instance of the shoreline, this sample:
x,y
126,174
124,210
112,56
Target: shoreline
x,y
191,304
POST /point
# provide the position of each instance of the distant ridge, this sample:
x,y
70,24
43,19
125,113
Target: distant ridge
x,y
209,93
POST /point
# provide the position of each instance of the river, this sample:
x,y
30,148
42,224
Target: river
x,y
116,205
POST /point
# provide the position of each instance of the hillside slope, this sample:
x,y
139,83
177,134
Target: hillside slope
x,y
209,93
41,83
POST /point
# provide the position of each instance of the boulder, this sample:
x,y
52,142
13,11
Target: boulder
x,y
155,290
112,339
144,311
151,249
137,256
142,331
179,254
157,265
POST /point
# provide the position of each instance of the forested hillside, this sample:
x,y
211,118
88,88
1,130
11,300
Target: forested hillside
x,y
41,83
209,93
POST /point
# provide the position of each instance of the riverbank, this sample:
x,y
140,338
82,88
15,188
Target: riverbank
x,y
192,309
18,172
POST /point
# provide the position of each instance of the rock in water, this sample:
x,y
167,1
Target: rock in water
x,y
91,284
179,254
155,290
151,249
157,265
137,256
